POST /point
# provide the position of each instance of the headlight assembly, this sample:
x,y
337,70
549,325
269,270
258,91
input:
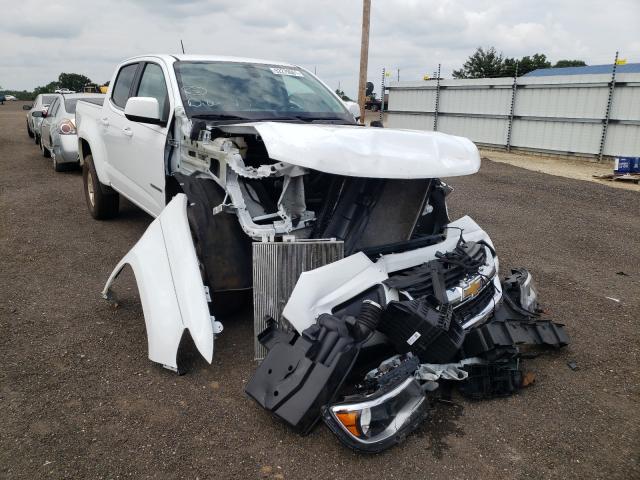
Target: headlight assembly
x,y
522,290
373,423
529,294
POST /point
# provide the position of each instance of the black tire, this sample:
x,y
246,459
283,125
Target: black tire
x,y
36,139
29,132
101,205
45,151
223,249
60,167
228,303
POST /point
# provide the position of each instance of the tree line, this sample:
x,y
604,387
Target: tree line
x,y
71,81
489,63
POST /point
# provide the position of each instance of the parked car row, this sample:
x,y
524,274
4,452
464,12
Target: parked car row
x,y
51,122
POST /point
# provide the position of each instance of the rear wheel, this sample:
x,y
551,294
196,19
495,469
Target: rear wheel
x,y
45,151
58,167
101,205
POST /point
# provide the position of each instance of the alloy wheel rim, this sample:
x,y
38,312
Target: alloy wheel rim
x,y
90,188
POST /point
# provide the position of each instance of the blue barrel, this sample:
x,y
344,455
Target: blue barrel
x,y
623,165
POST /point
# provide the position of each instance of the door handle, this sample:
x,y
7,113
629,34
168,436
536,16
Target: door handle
x,y
105,121
127,131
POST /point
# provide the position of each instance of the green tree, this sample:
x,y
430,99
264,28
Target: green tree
x,y
569,63
73,81
524,65
48,88
482,64
20,94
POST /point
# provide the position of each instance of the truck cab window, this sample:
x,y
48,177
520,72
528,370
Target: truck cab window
x,y
122,87
152,84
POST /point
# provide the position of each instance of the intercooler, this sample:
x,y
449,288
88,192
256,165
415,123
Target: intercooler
x,y
276,268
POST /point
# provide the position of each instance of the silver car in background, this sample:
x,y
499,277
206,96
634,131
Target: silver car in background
x,y
59,140
34,115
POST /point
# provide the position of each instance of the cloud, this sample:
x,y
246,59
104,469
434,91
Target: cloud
x,y
38,40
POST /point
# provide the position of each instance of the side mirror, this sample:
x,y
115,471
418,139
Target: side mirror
x,y
354,109
27,107
37,114
143,110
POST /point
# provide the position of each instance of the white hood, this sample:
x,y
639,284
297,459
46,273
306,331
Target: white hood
x,y
368,151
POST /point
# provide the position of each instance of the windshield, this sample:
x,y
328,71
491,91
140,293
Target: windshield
x,y
70,103
256,92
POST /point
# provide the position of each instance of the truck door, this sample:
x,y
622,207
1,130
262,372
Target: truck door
x,y
138,156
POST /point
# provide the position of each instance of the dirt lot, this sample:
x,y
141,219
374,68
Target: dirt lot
x,y
80,399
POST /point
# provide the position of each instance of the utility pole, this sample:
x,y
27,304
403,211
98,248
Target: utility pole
x,y
364,56
384,71
437,106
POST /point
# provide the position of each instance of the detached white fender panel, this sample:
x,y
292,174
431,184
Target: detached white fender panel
x,y
172,294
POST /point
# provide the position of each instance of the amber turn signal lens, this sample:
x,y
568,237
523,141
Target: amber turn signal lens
x,y
350,422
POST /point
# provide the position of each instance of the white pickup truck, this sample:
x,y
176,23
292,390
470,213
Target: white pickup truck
x,y
255,169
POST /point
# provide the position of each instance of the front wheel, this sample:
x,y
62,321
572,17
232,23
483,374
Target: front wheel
x,y
101,205
29,132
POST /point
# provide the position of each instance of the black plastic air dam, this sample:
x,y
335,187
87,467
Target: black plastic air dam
x,y
300,374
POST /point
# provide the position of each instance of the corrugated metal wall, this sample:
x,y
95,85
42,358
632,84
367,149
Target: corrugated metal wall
x,y
563,114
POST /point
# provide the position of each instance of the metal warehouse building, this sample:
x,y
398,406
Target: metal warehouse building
x,y
578,112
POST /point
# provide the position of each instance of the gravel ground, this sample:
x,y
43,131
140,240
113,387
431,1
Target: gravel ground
x,y
80,399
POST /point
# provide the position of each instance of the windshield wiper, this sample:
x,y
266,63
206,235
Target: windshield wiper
x,y
312,119
219,116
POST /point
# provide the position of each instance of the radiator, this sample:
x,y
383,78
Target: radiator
x,y
276,268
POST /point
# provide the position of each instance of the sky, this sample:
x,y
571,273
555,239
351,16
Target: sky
x,y
40,39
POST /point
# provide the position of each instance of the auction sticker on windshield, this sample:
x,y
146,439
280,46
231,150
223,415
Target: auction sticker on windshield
x,y
287,71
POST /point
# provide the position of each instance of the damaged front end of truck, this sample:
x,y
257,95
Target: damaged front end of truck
x,y
365,293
